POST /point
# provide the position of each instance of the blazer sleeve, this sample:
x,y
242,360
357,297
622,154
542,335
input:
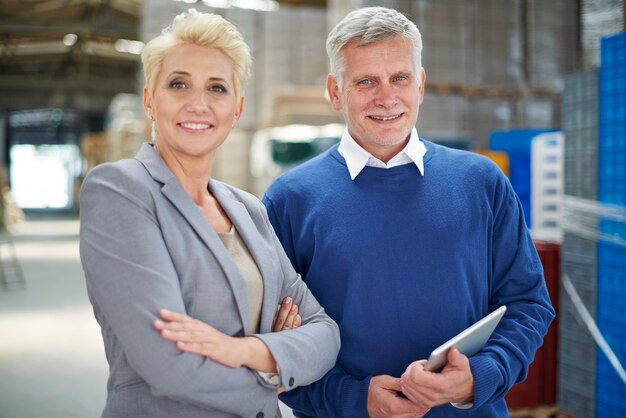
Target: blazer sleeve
x,y
303,355
130,276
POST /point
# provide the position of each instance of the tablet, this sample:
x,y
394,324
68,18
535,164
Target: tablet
x,y
468,342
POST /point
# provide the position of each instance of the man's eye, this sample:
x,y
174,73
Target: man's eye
x,y
365,82
400,78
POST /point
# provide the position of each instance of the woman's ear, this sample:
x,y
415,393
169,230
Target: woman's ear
x,y
147,104
238,111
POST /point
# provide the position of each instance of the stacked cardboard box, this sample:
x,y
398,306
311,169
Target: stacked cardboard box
x,y
552,42
497,47
446,35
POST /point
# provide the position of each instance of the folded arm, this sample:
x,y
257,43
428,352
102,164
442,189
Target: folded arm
x,y
194,336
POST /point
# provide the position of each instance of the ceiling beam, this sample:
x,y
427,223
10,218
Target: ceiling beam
x,y
22,84
31,8
14,54
132,8
98,27
80,100
52,5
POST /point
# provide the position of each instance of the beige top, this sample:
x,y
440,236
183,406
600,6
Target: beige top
x,y
243,259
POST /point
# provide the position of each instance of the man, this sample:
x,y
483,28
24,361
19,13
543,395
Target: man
x,y
406,243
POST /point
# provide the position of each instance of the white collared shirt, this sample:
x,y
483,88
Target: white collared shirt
x,y
357,158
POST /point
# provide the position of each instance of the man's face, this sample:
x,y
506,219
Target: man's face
x,y
380,94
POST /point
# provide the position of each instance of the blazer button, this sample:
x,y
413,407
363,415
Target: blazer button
x,y
291,381
259,415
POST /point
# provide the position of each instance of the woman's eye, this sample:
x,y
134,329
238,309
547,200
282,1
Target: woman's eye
x,y
218,89
177,84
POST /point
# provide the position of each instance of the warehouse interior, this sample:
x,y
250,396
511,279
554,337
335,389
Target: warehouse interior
x,y
515,80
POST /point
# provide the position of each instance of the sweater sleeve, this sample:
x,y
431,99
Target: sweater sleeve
x,y
336,395
517,281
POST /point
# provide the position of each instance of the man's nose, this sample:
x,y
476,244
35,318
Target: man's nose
x,y
386,96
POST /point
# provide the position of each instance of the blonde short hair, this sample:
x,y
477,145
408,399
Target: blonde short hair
x,y
202,29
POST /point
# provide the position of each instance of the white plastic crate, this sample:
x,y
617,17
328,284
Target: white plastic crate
x,y
547,186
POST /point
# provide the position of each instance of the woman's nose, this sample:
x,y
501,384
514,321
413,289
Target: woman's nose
x,y
199,101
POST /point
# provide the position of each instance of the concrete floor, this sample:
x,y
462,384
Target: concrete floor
x,y
52,361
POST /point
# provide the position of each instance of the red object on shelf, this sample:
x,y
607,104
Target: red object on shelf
x,y
539,388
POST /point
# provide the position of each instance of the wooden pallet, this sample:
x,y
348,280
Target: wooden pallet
x,y
488,92
538,412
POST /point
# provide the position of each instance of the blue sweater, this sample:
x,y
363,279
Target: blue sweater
x,y
402,262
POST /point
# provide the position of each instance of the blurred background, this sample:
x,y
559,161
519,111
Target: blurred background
x,y
537,86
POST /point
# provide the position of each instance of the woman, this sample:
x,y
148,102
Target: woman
x,y
160,237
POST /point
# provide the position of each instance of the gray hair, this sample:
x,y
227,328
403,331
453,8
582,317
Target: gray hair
x,y
369,25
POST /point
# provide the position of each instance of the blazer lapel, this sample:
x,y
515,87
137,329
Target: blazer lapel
x,y
177,196
258,248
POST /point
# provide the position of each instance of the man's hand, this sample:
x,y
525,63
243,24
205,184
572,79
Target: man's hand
x,y
455,383
383,400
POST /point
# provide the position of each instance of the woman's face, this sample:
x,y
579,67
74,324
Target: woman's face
x,y
193,102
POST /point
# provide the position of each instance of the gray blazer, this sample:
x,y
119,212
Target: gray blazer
x,y
144,245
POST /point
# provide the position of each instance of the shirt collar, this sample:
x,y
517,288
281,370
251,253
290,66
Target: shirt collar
x,y
357,158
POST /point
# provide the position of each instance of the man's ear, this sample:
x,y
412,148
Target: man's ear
x,y
422,86
334,94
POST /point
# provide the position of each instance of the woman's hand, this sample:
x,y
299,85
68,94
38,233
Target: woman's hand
x,y
287,316
194,336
